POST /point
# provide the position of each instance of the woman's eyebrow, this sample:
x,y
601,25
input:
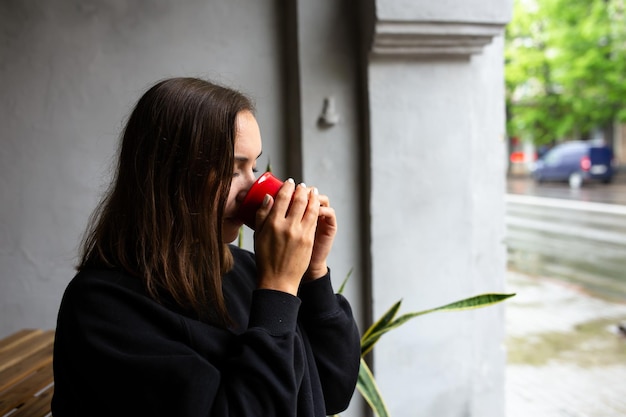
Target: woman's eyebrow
x,y
240,158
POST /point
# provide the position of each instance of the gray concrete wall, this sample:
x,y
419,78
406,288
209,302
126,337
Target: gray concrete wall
x,y
330,140
70,72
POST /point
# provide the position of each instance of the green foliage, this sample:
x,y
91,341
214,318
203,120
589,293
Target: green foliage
x,y
388,321
565,64
345,281
368,388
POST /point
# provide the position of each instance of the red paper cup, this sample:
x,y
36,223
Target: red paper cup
x,y
265,184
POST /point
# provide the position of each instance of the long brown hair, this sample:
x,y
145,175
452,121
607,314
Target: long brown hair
x,y
161,219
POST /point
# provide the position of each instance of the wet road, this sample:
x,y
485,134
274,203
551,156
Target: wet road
x,y
567,264
575,235
614,193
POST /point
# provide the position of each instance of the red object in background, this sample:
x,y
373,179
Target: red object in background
x,y
585,163
520,157
517,157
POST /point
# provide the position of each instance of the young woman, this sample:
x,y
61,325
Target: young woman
x,y
165,317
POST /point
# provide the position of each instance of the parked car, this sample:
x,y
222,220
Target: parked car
x,y
575,162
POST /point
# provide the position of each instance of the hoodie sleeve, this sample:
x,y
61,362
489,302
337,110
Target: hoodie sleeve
x,y
334,337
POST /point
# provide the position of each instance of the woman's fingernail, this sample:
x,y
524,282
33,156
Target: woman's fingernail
x,y
303,185
266,200
316,191
291,180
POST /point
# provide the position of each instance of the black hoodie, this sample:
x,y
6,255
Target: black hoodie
x,y
119,353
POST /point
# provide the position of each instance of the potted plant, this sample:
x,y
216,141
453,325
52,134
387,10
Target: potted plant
x,y
366,384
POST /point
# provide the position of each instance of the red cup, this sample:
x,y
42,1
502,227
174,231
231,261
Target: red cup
x,y
265,184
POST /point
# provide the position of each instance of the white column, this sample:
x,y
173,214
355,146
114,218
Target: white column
x,y
438,159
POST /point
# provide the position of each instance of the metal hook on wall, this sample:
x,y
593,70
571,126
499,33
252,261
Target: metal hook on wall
x,y
329,116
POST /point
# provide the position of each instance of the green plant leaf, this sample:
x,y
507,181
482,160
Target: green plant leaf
x,y
345,281
240,239
373,333
470,303
366,385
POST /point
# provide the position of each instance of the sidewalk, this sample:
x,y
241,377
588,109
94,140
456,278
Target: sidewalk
x,y
566,357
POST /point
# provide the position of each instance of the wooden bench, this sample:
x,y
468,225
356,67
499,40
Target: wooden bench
x,y
26,379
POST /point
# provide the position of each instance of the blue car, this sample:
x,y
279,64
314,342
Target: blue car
x,y
575,162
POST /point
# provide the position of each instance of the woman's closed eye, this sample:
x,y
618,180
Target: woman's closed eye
x,y
238,172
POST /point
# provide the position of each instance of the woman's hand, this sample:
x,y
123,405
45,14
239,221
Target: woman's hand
x,y
284,237
324,238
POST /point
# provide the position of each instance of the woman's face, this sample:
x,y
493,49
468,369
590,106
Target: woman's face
x,y
247,151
